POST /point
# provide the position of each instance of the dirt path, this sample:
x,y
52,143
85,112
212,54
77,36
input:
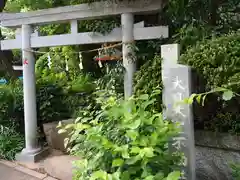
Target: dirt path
x,y
8,173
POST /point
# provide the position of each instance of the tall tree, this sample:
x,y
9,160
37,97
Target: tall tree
x,y
6,57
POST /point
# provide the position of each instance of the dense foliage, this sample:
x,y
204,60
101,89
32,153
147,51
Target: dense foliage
x,y
236,171
58,94
217,61
11,142
148,78
124,140
7,102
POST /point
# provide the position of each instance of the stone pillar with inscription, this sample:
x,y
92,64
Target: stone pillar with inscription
x,y
177,84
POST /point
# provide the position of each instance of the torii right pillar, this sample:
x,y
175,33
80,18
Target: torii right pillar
x,y
129,58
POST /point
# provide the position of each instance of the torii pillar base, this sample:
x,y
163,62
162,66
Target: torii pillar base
x,y
34,156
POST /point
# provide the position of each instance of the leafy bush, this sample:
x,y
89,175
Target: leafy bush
x,y
11,142
50,104
224,122
124,140
148,78
6,102
236,171
57,95
114,79
218,61
81,84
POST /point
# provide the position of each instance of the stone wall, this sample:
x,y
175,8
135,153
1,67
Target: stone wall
x,y
55,140
214,153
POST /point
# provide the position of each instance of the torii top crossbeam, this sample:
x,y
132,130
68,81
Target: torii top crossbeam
x,y
79,12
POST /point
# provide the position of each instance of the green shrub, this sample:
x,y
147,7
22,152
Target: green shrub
x,y
11,142
50,103
124,140
148,78
81,84
218,60
6,102
57,95
236,171
224,122
113,80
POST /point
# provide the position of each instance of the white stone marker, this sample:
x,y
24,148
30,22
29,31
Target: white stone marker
x,y
178,86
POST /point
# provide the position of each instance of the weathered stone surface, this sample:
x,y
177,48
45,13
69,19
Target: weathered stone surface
x,y
215,155
217,140
60,167
55,140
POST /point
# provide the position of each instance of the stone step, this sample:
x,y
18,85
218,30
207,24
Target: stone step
x,y
60,167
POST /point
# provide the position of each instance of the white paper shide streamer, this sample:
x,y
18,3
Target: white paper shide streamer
x,y
49,61
99,56
66,61
81,60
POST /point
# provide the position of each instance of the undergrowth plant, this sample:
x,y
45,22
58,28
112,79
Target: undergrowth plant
x,y
123,140
11,142
148,78
236,171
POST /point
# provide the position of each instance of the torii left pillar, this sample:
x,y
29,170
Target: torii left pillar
x,y
32,151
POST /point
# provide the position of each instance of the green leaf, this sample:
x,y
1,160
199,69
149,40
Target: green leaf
x,y
175,175
78,119
80,126
143,97
159,176
149,152
203,101
59,124
191,98
147,103
132,134
126,175
198,99
116,175
218,89
66,141
69,126
227,95
135,150
133,160
61,131
135,124
117,162
125,154
149,178
99,175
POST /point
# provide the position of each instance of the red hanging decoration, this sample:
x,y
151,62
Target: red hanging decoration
x,y
25,61
108,58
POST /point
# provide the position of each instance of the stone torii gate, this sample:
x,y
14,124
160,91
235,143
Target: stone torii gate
x,y
26,39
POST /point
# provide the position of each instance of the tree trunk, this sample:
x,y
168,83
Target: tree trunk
x,y
6,57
